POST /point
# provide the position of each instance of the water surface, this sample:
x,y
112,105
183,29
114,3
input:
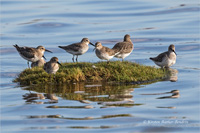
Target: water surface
x,y
101,107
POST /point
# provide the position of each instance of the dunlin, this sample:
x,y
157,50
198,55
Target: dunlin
x,y
77,48
52,66
39,63
167,58
31,54
124,48
103,52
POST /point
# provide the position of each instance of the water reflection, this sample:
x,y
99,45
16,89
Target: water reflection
x,y
73,127
174,94
34,97
173,77
84,118
85,92
105,94
72,107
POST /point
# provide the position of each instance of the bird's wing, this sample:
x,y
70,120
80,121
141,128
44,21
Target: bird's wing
x,y
160,57
125,47
72,47
109,51
46,66
27,52
118,47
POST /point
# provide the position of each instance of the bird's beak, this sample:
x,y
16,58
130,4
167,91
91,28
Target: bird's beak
x,y
174,52
44,57
92,44
48,51
59,63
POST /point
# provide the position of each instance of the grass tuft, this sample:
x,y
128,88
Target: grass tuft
x,y
101,71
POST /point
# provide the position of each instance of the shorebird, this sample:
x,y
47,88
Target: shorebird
x,y
52,66
77,48
31,54
124,48
39,63
166,59
103,52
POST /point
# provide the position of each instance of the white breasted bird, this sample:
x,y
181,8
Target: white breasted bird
x,y
52,66
166,59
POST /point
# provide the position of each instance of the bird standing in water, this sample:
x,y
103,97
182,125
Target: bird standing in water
x,y
165,59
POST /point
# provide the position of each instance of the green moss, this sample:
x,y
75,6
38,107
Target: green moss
x,y
101,71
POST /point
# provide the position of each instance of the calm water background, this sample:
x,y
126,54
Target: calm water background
x,y
102,107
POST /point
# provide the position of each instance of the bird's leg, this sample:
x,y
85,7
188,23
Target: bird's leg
x,y
77,58
163,68
122,59
28,64
73,58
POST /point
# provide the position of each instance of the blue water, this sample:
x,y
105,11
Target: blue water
x,y
102,107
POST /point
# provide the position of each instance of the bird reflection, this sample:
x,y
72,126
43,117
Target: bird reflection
x,y
79,118
174,94
34,97
120,99
173,77
105,94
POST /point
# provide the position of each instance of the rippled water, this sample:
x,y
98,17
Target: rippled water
x,y
102,107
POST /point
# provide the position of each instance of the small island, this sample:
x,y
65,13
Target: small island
x,y
117,71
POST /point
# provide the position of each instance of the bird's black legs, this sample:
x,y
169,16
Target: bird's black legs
x,y
77,58
28,64
73,58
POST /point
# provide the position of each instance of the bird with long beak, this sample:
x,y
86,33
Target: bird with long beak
x,y
103,52
31,54
77,48
166,59
52,66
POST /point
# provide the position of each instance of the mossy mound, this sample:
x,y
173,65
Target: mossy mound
x,y
101,71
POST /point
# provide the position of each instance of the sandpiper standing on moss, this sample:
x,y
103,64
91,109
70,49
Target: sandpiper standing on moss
x,y
38,63
103,52
77,48
52,66
166,59
124,48
31,54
